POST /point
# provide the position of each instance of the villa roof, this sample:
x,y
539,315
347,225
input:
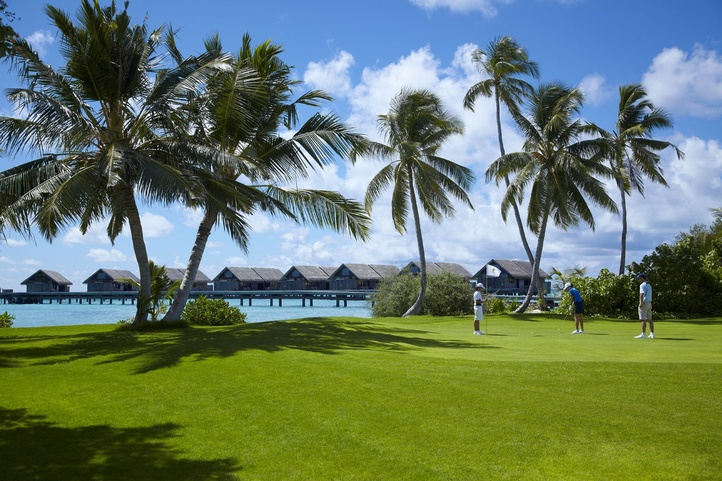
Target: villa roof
x,y
175,274
311,273
441,267
257,274
114,275
52,275
369,271
516,269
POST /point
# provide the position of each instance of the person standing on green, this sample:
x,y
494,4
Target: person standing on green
x,y
578,308
479,300
645,306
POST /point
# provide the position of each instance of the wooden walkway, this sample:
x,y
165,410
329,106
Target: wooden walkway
x,y
272,296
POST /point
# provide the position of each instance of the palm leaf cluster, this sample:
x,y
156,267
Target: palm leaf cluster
x,y
116,125
632,152
557,167
414,130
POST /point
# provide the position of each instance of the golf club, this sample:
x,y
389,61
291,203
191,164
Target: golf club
x,y
565,318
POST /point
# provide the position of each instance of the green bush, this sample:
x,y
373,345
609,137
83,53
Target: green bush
x,y
446,295
6,319
212,312
394,295
496,305
607,295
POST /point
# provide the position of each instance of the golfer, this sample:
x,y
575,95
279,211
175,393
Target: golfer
x,y
479,300
645,306
578,308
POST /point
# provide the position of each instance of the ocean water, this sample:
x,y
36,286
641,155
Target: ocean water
x,y
38,315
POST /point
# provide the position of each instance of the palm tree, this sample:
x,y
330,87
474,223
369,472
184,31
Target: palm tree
x,y
239,117
414,130
503,62
559,278
558,166
633,151
98,123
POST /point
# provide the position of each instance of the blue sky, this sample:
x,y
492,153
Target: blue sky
x,y
364,53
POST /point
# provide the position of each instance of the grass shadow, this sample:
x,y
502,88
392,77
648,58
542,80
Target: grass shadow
x,y
34,448
166,348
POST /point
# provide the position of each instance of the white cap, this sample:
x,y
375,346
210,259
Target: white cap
x,y
479,284
567,286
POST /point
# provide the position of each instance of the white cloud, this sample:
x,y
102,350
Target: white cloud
x,y
486,7
331,77
191,217
14,242
688,84
595,90
40,40
154,225
236,261
96,234
105,255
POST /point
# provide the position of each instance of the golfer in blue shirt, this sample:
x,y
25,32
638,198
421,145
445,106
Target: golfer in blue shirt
x,y
578,308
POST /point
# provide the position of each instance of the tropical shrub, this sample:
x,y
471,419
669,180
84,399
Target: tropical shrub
x,y
685,279
446,295
607,295
212,312
394,295
6,319
496,305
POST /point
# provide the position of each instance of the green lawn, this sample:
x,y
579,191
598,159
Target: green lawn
x,y
364,399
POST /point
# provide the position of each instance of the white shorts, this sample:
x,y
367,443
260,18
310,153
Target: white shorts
x,y
645,311
478,313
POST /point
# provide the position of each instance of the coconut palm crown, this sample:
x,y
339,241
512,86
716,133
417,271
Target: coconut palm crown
x,y
556,169
414,130
98,124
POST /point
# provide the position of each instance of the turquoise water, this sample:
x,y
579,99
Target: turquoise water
x,y
37,315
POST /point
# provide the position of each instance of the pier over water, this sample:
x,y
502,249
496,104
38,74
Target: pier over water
x,y
273,297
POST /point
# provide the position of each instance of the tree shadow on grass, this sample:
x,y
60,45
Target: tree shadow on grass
x,y
35,449
166,348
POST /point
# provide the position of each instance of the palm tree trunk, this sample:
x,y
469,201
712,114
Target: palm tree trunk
x,y
415,309
623,256
535,266
141,253
514,206
194,262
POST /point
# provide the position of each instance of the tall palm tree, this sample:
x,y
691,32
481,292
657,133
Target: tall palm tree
x,y
414,130
98,123
503,62
238,118
559,168
633,151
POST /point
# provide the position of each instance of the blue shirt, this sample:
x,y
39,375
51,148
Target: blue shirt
x,y
575,294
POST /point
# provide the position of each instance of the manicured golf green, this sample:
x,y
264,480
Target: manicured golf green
x,y
364,399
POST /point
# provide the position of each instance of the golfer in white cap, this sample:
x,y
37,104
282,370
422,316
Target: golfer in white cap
x,y
479,300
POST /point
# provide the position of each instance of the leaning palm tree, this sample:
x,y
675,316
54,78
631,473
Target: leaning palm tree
x,y
238,118
503,62
415,129
559,168
633,151
98,124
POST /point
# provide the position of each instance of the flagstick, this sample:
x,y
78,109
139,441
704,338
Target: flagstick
x,y
486,314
